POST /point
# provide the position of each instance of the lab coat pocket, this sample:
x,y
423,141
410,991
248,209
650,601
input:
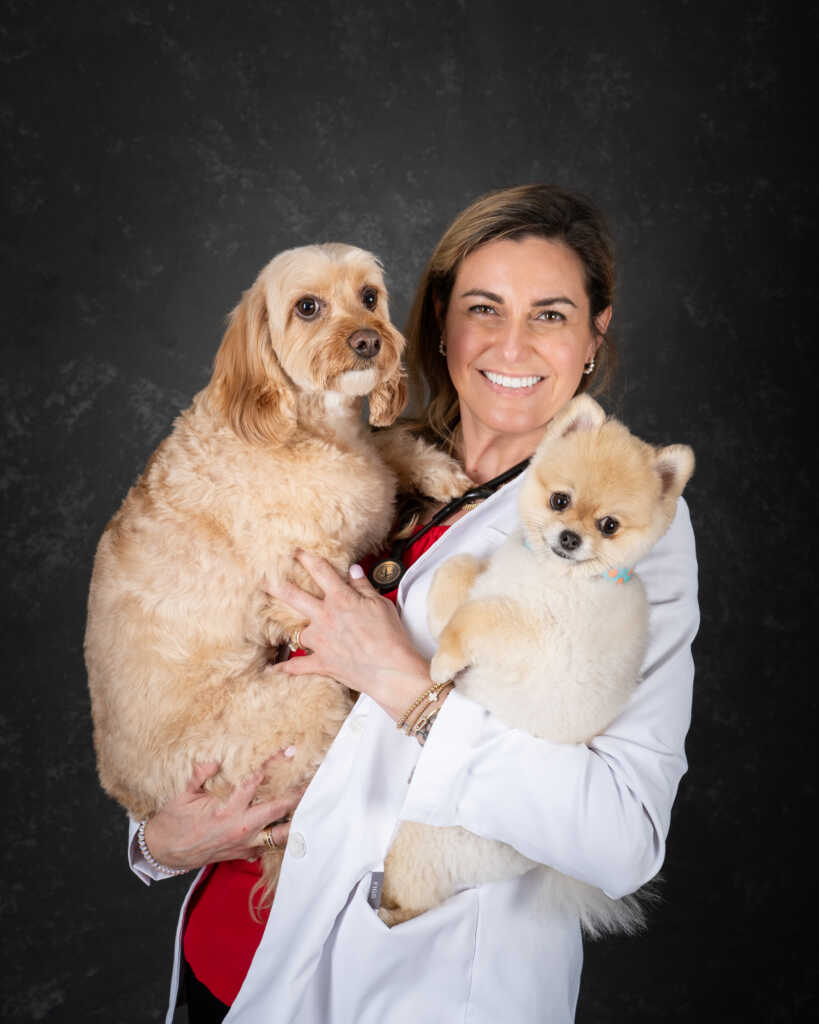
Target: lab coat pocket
x,y
418,970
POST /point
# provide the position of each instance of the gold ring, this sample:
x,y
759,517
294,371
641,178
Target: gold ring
x,y
269,841
295,641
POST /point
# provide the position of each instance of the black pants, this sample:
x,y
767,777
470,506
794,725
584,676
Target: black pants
x,y
203,1006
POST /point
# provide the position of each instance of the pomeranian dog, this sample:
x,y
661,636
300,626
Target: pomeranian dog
x,y
549,634
273,455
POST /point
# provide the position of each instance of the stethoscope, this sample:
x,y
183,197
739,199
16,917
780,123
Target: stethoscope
x,y
386,574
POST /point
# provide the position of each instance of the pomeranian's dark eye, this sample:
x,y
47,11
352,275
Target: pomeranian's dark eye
x,y
370,298
307,307
560,501
608,526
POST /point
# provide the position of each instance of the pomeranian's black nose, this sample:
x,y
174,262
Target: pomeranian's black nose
x,y
569,540
365,343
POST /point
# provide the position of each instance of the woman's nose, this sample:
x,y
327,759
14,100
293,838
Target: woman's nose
x,y
514,341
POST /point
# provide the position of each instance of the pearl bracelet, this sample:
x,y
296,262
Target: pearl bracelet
x,y
146,853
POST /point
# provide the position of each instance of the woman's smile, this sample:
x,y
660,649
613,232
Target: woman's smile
x,y
504,383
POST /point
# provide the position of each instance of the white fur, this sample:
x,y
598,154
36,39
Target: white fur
x,y
546,643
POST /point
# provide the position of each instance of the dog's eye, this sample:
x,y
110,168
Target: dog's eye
x,y
560,501
608,526
370,298
307,307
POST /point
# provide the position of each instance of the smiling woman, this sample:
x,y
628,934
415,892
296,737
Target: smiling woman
x,y
518,334
509,322
520,286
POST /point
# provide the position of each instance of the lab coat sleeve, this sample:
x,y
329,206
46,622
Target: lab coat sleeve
x,y
598,812
137,863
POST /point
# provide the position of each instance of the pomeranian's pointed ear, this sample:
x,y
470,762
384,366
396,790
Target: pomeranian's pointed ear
x,y
582,413
256,395
674,464
387,401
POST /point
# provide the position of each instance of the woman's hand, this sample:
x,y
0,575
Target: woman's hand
x,y
198,828
355,636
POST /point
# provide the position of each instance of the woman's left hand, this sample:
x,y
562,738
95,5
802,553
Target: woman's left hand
x,y
355,636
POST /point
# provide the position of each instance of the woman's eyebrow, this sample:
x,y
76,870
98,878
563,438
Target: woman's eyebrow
x,y
554,300
485,294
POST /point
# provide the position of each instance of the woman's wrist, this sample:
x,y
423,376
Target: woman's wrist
x,y
147,854
401,687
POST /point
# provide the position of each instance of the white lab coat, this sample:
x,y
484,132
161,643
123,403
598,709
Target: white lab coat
x,y
599,812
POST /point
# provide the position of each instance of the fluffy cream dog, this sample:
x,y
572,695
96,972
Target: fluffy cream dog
x,y
543,636
271,456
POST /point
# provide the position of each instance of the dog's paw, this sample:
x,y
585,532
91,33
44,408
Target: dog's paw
x,y
443,479
445,665
396,915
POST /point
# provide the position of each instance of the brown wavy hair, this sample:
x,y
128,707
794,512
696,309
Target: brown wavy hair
x,y
545,211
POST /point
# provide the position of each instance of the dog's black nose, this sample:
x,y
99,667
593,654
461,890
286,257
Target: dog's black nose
x,y
365,343
569,540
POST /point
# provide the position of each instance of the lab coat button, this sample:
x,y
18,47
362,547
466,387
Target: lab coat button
x,y
296,845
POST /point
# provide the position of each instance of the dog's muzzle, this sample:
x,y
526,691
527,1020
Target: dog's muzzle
x,y
366,343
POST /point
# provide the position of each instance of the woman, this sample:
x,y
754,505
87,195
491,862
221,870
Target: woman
x,y
509,323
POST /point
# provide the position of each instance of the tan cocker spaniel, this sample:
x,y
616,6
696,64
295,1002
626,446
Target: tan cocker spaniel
x,y
272,455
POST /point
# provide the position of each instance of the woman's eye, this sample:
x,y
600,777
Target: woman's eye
x,y
552,315
481,307
307,307
559,501
608,526
370,298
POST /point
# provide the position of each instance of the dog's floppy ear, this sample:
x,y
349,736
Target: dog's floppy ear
x,y
256,395
582,413
387,401
674,464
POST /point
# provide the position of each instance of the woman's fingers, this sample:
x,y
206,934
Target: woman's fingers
x,y
323,573
360,583
202,771
243,794
295,597
279,834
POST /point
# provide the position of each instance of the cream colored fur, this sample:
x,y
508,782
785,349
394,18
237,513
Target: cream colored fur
x,y
272,455
544,642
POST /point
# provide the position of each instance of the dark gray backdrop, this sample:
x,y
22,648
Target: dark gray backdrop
x,y
156,155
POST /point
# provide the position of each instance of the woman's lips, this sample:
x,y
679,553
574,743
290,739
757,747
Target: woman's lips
x,y
506,383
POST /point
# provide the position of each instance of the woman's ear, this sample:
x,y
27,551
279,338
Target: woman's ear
x,y
256,395
387,401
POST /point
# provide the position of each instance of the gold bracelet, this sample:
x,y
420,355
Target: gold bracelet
x,y
432,709
430,696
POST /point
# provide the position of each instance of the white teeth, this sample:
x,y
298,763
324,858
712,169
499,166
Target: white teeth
x,y
510,382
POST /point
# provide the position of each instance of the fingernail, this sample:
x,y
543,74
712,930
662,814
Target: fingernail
x,y
289,752
356,572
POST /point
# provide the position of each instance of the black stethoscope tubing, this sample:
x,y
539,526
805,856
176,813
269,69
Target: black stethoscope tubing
x,y
386,574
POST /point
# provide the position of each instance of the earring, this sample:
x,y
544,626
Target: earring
x,y
589,367
442,346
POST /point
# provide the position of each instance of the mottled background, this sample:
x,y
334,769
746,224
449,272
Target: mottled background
x,y
155,155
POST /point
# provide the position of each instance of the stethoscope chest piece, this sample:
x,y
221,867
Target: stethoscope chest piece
x,y
386,574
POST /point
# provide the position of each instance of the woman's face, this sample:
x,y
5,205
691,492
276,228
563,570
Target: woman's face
x,y
518,334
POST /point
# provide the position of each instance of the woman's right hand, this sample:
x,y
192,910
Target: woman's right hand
x,y
198,828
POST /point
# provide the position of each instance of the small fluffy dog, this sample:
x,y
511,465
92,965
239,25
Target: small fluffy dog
x,y
271,456
542,635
